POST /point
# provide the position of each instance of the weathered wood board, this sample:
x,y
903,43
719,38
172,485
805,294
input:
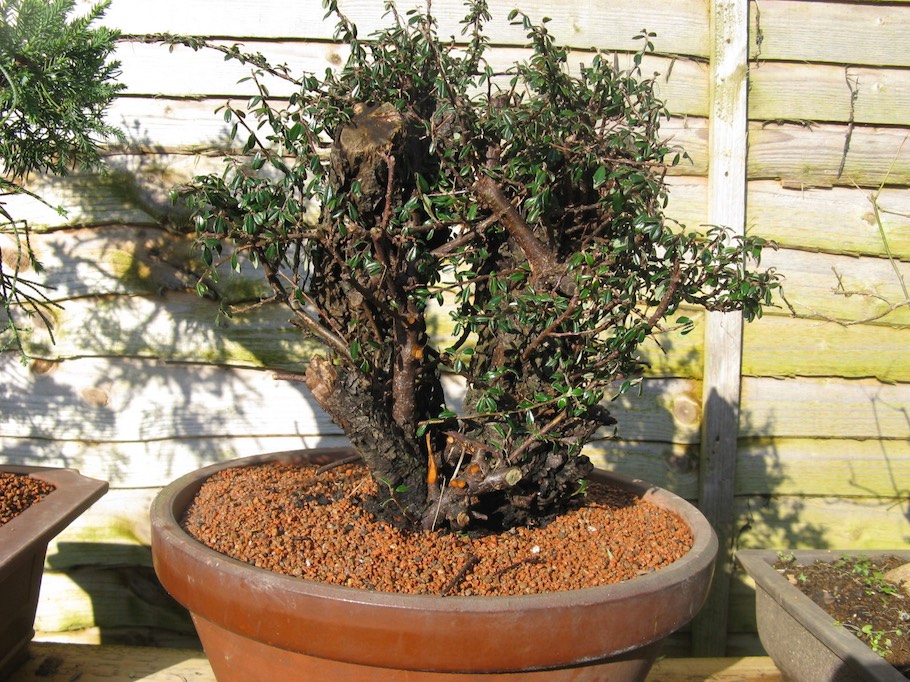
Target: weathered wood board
x,y
841,33
56,662
681,26
680,81
822,523
842,289
797,154
848,468
824,408
797,91
778,346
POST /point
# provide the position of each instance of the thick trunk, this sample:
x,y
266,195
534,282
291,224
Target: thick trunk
x,y
364,282
344,395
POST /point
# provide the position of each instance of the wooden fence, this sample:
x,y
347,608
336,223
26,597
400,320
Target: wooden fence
x,y
790,432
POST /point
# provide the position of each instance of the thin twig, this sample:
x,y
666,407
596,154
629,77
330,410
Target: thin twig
x,y
469,563
853,86
534,559
344,461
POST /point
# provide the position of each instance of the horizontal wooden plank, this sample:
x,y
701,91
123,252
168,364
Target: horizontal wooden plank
x,y
681,27
153,70
108,597
127,286
181,327
116,259
843,33
150,70
779,346
130,464
136,402
739,669
57,662
842,288
78,199
132,191
778,90
795,467
188,126
130,400
821,523
827,92
176,327
823,467
137,636
669,465
823,408
143,401
801,155
833,220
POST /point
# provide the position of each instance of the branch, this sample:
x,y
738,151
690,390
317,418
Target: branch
x,y
660,311
492,196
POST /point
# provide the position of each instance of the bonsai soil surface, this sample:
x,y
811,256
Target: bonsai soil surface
x,y
18,492
293,520
850,591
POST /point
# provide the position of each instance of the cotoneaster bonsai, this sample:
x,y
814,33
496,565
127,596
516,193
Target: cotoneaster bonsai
x,y
528,203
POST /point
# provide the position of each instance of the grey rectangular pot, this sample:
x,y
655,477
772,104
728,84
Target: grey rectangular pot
x,y
802,640
23,545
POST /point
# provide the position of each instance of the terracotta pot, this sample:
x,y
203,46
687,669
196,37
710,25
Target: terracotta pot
x,y
259,625
23,545
798,635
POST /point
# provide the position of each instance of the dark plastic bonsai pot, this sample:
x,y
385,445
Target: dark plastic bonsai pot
x,y
803,641
23,546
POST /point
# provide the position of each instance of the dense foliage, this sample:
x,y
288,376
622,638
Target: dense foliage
x,y
56,81
530,202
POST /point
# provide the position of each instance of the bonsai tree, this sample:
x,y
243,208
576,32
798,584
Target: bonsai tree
x,y
530,202
56,81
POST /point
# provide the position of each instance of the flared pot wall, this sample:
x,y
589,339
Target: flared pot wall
x,y
255,624
803,640
23,545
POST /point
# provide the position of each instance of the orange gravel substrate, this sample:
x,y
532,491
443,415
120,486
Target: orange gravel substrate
x,y
18,492
290,520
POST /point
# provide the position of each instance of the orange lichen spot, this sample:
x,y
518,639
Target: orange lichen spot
x,y
457,483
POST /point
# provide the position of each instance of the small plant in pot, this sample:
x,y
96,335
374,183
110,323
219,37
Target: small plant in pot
x,y
528,203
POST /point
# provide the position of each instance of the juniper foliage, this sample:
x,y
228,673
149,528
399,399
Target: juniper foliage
x,y
56,81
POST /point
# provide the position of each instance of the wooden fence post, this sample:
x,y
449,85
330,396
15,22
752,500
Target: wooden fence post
x,y
727,128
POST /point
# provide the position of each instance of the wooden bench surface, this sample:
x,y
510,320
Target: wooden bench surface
x,y
53,662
